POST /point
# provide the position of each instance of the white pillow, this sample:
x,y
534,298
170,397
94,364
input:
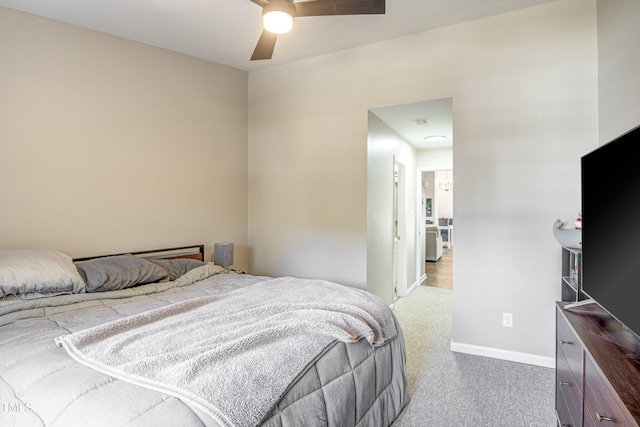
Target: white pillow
x,y
34,273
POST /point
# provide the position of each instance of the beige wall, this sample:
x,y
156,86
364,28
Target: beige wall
x,y
107,145
618,67
524,88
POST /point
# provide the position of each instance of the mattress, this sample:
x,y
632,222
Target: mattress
x,y
347,384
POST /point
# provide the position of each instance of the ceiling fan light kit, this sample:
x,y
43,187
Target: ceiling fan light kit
x,y
278,17
277,21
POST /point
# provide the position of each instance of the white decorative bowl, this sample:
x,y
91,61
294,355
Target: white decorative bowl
x,y
567,237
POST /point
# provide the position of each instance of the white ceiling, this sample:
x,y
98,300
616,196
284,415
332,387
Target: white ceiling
x,y
226,32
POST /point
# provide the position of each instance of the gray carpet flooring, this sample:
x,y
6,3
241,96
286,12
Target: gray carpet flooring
x,y
450,389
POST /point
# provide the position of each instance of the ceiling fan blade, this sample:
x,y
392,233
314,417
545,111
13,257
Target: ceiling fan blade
x,y
339,7
265,46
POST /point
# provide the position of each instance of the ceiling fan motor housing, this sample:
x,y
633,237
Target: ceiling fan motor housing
x,y
279,6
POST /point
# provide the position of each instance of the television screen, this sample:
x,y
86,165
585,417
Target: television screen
x,y
610,178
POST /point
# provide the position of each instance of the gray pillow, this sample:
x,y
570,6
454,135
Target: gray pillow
x,y
118,272
178,266
37,273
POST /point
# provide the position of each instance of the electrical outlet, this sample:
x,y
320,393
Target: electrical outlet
x,y
507,320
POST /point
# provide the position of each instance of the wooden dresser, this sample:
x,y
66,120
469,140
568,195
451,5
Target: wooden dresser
x,y
597,369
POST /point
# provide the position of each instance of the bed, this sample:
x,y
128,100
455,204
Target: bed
x,y
162,338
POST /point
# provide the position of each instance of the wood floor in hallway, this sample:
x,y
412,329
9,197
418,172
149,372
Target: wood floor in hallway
x,y
440,273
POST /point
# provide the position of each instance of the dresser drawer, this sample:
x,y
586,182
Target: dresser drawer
x,y
563,416
601,403
567,342
590,422
567,393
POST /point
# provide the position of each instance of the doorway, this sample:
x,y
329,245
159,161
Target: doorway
x,y
399,134
436,198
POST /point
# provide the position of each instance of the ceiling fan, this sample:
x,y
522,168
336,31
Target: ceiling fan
x,y
278,17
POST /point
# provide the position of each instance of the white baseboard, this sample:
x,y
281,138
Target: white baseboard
x,y
415,285
497,353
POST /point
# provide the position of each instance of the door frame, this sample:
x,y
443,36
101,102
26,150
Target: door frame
x,y
399,257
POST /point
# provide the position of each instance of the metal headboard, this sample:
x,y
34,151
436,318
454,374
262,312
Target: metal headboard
x,y
193,251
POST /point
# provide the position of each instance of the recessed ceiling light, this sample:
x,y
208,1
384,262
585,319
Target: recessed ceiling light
x,y
435,138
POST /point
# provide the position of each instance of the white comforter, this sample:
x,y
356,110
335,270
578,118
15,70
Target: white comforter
x,y
252,342
350,384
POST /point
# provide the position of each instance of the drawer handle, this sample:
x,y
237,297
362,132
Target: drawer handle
x,y
602,418
565,383
565,342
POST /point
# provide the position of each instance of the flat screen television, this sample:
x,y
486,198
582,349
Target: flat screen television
x,y
610,178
